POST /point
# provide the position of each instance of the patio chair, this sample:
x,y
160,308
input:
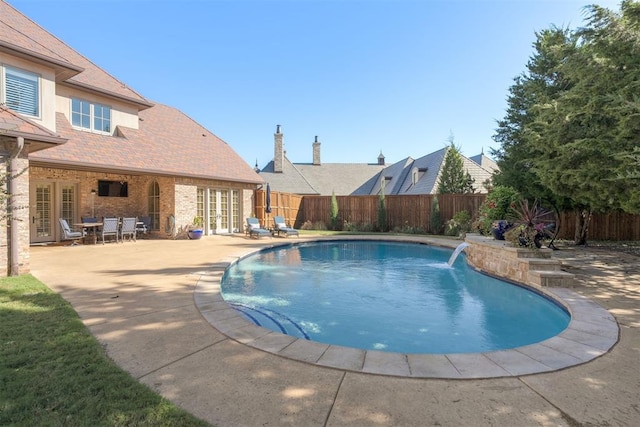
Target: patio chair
x,y
281,227
255,229
143,225
68,234
128,228
109,228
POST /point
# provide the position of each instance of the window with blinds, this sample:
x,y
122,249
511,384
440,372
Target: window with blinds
x,y
22,91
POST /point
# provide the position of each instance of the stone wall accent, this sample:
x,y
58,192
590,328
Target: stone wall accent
x,y
533,267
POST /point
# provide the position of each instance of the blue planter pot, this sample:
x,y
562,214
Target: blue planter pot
x,y
194,234
498,228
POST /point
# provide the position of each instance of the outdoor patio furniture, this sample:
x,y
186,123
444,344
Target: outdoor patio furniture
x,y
109,228
128,228
255,229
143,225
281,227
68,234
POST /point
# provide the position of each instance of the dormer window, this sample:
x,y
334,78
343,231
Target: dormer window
x,y
416,174
90,116
22,91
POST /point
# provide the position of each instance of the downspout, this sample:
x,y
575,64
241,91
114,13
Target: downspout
x,y
12,189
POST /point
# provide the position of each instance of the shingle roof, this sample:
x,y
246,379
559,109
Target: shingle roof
x,y
168,143
290,180
324,179
37,136
23,36
485,162
338,178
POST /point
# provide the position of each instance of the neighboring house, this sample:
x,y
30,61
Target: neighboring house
x,y
408,176
315,178
86,144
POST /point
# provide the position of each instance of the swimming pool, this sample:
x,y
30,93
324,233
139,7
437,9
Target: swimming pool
x,y
389,296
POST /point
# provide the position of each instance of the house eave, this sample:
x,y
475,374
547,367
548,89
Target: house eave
x,y
142,105
63,70
81,166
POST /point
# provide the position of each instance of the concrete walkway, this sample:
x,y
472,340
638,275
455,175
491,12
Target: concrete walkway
x,y
138,300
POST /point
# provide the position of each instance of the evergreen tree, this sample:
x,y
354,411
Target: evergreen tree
x,y
572,127
453,179
435,221
382,213
333,213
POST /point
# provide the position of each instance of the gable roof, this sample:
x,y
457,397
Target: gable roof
x,y
168,142
338,178
36,137
23,37
290,180
324,179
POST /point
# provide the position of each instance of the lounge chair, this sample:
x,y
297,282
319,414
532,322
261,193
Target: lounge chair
x,y
281,227
68,234
255,230
109,228
128,228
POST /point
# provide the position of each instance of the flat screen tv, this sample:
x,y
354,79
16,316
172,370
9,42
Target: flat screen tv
x,y
113,189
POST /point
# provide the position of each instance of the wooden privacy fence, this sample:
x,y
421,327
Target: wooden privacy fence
x,y
402,211
609,226
406,211
286,205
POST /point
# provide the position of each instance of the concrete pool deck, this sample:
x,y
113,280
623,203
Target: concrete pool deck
x,y
138,300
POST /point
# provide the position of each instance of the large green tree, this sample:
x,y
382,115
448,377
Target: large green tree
x,y
573,124
540,84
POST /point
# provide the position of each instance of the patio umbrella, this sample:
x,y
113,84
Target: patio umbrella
x,y
267,206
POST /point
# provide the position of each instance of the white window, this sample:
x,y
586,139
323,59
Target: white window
x,y
89,116
22,91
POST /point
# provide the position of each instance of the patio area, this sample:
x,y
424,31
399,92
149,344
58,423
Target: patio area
x,y
138,300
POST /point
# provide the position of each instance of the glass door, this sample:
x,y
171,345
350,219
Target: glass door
x,y
222,211
41,213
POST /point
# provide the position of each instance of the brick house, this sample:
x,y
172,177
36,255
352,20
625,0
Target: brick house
x,y
81,143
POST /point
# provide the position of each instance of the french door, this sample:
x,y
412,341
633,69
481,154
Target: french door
x,y
49,201
220,210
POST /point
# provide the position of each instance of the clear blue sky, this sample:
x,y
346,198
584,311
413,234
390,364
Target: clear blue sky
x,y
365,76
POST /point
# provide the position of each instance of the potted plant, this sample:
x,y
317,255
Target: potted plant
x,y
529,226
195,229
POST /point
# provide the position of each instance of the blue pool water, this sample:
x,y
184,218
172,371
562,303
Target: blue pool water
x,y
397,297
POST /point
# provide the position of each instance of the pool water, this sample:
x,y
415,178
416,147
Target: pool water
x,y
396,297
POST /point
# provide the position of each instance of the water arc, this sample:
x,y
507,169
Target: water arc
x,y
455,253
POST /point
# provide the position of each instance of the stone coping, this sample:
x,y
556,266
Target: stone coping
x,y
591,333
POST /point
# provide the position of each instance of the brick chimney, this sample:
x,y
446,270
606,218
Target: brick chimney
x,y
278,151
316,152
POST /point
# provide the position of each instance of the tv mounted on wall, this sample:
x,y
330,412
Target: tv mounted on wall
x,y
113,189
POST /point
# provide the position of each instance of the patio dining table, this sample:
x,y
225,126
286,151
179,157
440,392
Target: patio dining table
x,y
91,227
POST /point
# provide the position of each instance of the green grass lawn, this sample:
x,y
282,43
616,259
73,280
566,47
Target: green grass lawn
x,y
53,372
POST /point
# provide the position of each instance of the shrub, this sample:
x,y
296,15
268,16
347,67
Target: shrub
x,y
408,229
318,225
333,213
435,222
382,214
497,206
459,225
